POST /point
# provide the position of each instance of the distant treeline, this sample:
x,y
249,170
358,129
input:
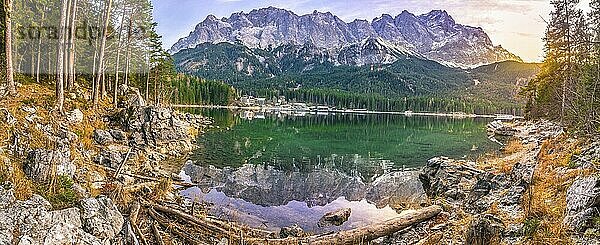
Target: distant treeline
x,y
351,100
191,90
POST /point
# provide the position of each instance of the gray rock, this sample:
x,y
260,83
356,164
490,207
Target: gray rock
x,y
101,218
7,117
443,177
335,218
40,161
118,135
291,231
485,229
31,222
75,116
135,98
103,137
110,157
583,199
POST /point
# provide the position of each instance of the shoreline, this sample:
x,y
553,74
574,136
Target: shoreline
x,y
349,111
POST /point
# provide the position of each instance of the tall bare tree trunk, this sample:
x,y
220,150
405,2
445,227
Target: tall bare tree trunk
x,y
60,57
116,85
128,56
39,51
148,83
12,89
71,57
100,73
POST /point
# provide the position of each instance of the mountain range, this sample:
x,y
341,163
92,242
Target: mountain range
x,y
384,40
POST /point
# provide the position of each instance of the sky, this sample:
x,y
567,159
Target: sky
x,y
517,25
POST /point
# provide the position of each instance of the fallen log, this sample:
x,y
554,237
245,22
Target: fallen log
x,y
133,218
174,229
123,163
372,232
363,234
189,218
156,232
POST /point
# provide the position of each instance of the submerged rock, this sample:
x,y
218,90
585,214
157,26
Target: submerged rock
x,y
335,218
583,200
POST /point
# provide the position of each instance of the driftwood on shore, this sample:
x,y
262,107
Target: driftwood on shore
x,y
238,234
368,233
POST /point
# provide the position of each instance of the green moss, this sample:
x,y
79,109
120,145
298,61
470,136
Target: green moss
x,y
61,194
530,226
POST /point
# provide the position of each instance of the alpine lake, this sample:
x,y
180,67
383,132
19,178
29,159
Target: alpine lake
x,y
271,170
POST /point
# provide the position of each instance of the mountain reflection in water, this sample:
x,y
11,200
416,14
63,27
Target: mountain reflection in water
x,y
258,194
284,170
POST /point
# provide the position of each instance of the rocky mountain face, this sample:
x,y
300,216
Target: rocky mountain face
x,y
434,36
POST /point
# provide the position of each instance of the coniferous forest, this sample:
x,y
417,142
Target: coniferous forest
x,y
567,87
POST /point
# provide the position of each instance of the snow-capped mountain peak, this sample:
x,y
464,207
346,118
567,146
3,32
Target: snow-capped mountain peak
x,y
434,35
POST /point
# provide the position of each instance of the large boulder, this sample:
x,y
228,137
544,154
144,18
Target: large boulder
x,y
101,218
448,178
111,157
499,128
583,200
159,128
39,162
397,190
31,222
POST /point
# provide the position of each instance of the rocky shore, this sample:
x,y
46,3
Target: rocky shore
x,y
490,202
114,188
94,170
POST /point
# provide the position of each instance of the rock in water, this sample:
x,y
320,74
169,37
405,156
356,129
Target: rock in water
x,y
583,199
101,218
335,218
291,231
485,229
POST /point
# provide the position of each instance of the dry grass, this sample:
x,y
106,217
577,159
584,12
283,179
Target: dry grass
x,y
10,170
545,201
513,146
514,152
164,187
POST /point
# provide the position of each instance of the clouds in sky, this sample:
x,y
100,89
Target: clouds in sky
x,y
517,25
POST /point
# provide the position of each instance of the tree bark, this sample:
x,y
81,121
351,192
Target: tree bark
x,y
60,57
128,51
12,89
39,53
118,58
100,72
71,60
